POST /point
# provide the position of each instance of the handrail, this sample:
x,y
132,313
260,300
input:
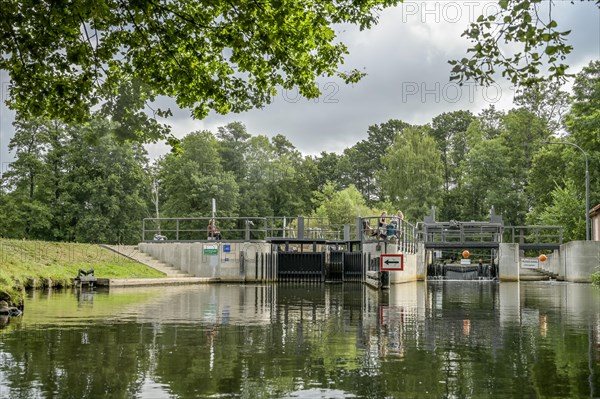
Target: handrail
x,y
534,234
196,228
367,229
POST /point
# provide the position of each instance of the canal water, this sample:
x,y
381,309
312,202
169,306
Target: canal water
x,y
441,339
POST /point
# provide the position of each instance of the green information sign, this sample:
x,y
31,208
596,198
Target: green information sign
x,y
211,250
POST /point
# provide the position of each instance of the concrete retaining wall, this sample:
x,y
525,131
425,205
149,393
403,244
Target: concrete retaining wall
x,y
579,259
234,261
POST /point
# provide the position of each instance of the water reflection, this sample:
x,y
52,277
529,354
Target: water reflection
x,y
439,340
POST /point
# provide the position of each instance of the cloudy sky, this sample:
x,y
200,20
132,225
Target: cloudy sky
x,y
405,57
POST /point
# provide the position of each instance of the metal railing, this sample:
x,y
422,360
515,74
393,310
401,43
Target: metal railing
x,y
196,228
537,237
454,232
304,227
245,228
367,229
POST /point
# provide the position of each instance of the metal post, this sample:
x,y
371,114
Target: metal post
x,y
248,224
214,208
301,227
346,233
587,185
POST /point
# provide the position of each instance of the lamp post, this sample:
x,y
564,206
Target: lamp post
x,y
587,185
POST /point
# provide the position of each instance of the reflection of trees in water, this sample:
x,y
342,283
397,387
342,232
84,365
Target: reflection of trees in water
x,y
451,344
4,320
91,361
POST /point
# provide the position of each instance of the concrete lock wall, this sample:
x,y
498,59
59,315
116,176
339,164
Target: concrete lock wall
x,y
579,259
414,268
231,261
552,263
409,273
508,262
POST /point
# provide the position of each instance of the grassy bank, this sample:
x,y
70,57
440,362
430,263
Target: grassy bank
x,y
32,264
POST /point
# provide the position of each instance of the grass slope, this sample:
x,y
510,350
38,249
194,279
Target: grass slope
x,y
29,264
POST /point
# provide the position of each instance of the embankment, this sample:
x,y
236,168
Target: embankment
x,y
38,264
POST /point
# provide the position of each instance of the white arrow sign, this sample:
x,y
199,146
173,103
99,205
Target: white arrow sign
x,y
391,262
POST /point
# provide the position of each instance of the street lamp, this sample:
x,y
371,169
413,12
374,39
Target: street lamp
x,y
587,185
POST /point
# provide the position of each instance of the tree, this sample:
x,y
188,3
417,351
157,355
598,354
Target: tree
x,y
583,120
449,130
30,216
106,187
546,101
233,140
74,183
34,180
191,180
340,207
487,181
523,134
412,175
555,166
327,169
491,121
583,124
566,209
368,154
288,190
254,190
533,40
118,57
221,56
549,167
350,170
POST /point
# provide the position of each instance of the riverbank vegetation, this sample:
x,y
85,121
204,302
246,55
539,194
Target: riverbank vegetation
x,y
36,264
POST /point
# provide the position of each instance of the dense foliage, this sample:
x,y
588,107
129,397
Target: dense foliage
x,y
73,183
76,183
519,39
208,55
